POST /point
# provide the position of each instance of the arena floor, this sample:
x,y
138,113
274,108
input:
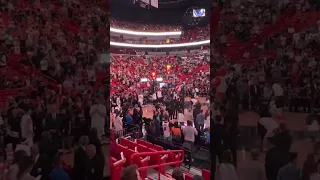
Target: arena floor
x,y
148,109
295,122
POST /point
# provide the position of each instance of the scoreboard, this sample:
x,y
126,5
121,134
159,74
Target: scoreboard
x,y
154,3
144,3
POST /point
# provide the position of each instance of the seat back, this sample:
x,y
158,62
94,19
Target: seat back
x,y
206,174
116,168
145,143
130,144
188,176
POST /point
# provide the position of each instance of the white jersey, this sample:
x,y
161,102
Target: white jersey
x,y
166,129
118,102
98,114
140,99
194,101
159,94
118,124
175,95
181,117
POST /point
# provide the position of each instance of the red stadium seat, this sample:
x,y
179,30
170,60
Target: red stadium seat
x,y
130,144
145,143
188,176
116,168
206,174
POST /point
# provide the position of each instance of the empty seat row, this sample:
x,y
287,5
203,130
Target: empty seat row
x,y
126,148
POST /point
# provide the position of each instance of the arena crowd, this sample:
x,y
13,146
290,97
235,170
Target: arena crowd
x,y
53,89
266,63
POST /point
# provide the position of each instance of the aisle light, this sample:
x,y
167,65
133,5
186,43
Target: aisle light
x,y
153,75
206,42
168,67
138,33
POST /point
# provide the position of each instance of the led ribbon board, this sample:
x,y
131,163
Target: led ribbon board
x,y
199,43
138,33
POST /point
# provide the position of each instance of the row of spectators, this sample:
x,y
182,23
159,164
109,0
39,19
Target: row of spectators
x,y
247,19
114,23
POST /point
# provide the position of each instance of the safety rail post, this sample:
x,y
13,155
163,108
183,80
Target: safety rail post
x,y
138,154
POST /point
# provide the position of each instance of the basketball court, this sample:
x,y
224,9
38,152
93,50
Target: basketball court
x,y
295,122
148,109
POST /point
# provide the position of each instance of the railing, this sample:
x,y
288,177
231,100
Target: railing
x,y
159,160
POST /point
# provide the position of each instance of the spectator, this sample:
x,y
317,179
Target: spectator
x,y
290,171
226,170
81,159
230,141
275,159
130,173
98,114
217,136
95,165
254,170
57,172
189,133
25,166
177,174
310,166
19,156
93,139
283,138
176,132
46,147
42,166
200,120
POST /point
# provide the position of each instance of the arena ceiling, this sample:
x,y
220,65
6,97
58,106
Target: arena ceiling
x,y
170,12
